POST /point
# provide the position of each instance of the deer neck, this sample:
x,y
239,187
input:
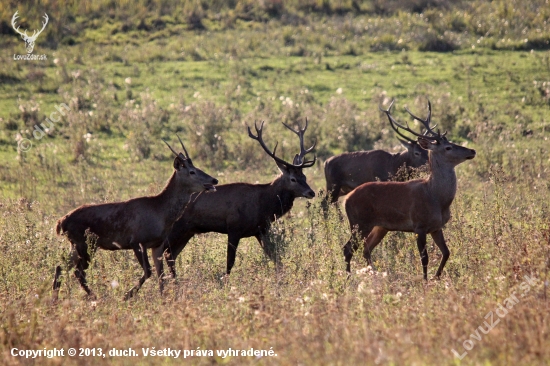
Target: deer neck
x,y
282,198
442,180
400,159
173,198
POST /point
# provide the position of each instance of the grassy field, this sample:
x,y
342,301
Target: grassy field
x,y
133,73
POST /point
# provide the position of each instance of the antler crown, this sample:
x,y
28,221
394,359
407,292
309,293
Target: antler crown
x,y
425,122
298,159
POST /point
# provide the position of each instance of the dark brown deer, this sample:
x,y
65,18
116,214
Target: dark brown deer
x,y
347,171
242,210
136,224
421,206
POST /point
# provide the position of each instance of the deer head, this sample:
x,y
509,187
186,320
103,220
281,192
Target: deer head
x,y
29,40
418,155
292,173
193,177
433,141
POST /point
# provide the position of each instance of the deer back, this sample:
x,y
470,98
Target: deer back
x,y
240,208
118,225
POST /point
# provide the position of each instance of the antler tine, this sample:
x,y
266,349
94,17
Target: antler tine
x,y
13,20
300,133
260,139
302,141
426,132
175,153
183,147
426,122
394,123
309,163
46,18
429,118
35,34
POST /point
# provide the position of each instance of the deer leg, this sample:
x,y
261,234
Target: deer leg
x,y
232,244
421,243
141,255
172,250
334,193
352,245
56,284
349,248
324,202
375,237
440,242
80,260
57,280
158,256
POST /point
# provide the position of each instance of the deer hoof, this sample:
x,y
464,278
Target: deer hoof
x,y
225,279
128,295
55,296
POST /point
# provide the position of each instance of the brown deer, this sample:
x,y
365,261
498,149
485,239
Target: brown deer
x,y
347,171
136,224
421,206
242,210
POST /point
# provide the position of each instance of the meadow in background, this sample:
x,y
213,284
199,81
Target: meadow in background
x,y
133,73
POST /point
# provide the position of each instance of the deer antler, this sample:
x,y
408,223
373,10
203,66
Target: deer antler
x,y
426,122
394,123
13,19
24,34
260,139
34,35
180,155
183,147
300,157
170,147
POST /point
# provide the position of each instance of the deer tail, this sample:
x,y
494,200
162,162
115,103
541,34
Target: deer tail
x,y
60,227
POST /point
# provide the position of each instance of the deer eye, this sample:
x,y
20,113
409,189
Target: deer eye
x,y
192,172
448,148
293,180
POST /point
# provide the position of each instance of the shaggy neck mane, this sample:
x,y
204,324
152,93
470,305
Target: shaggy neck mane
x,y
285,198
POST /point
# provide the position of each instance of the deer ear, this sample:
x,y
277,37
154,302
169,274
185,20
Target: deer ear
x,y
425,143
282,167
178,164
406,144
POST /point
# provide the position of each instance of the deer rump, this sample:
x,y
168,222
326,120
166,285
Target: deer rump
x,y
347,171
113,225
385,205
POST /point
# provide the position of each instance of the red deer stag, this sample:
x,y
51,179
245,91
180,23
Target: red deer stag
x,y
136,224
421,206
242,210
347,171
